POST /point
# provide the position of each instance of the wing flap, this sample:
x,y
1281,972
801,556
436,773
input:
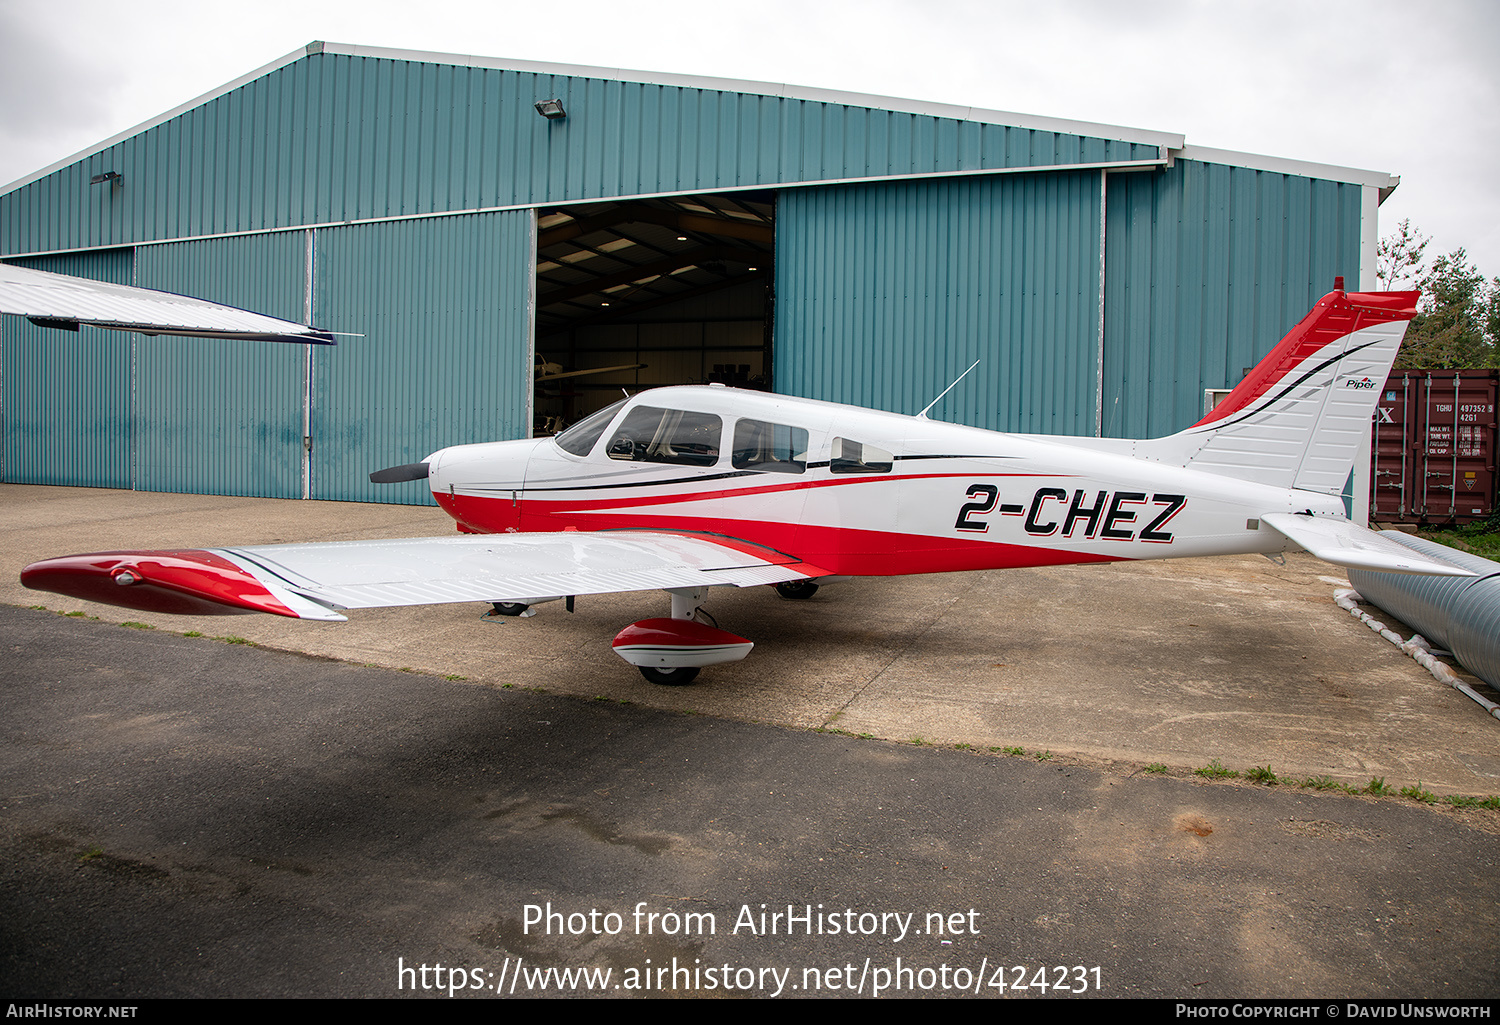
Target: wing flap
x,y
310,580
1347,544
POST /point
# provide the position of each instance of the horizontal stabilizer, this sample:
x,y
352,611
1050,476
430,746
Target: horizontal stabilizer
x,y
60,301
1346,544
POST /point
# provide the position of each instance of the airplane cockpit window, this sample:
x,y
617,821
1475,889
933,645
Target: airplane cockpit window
x,y
652,435
775,447
579,439
855,457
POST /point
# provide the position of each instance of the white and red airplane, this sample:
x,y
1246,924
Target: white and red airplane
x,y
685,489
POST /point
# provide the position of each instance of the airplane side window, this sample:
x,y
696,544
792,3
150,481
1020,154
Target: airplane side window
x,y
764,446
855,457
653,435
579,439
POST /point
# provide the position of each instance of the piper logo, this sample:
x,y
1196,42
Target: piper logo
x,y
1363,384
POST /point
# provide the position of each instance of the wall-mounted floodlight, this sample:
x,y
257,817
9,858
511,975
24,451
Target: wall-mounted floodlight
x,y
108,176
552,110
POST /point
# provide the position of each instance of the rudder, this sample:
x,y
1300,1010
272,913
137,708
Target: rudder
x,y
1298,418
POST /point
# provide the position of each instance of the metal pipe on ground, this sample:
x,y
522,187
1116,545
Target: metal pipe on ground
x,y
1461,614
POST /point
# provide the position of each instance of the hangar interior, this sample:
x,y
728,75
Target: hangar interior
x,y
674,290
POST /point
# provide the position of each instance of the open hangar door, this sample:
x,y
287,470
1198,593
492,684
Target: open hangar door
x,y
651,292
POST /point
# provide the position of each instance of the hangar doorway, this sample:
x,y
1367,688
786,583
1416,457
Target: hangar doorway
x,y
651,292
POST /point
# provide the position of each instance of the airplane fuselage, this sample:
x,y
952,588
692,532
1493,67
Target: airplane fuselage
x,y
857,492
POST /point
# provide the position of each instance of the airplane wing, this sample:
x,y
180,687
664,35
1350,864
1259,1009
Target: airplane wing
x,y
1346,544
57,300
544,378
311,581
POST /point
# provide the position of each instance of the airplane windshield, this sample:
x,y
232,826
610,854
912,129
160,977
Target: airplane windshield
x,y
579,439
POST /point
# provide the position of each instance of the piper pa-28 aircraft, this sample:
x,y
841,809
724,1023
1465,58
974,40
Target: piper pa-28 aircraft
x,y
684,489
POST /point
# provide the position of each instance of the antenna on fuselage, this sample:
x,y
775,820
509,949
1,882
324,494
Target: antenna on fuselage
x,y
945,391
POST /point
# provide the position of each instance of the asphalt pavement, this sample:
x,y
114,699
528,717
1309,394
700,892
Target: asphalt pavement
x,y
185,815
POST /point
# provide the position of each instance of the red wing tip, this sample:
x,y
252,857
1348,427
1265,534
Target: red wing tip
x,y
189,582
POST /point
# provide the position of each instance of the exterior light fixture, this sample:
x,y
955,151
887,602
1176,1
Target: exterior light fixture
x,y
552,110
108,176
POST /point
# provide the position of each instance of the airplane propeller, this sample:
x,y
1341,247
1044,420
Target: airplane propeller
x,y
398,474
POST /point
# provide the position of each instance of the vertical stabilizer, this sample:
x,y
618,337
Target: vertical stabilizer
x,y
1297,419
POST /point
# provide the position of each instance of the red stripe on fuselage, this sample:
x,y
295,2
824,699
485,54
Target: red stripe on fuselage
x,y
842,551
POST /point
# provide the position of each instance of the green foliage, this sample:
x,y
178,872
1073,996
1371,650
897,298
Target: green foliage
x,y
1417,793
1262,774
1014,751
1457,324
1156,768
1480,538
1378,787
1215,770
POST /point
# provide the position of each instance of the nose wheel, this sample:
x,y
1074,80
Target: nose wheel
x,y
797,590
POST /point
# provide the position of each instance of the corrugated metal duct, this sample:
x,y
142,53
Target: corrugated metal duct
x,y
1461,614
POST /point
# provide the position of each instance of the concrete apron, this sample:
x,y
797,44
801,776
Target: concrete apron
x,y
1176,662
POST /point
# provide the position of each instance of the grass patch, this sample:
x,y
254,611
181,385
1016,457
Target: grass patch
x,y
1045,756
193,633
963,747
139,626
1262,774
918,741
1418,793
1377,787
1155,768
74,615
1479,538
91,854
1464,802
232,639
1014,752
1215,770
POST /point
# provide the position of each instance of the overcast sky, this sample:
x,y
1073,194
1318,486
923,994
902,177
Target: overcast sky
x,y
1410,89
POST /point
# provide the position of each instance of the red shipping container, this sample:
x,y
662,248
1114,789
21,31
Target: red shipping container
x,y
1433,447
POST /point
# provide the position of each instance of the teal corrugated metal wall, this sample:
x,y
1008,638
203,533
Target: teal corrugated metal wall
x,y
443,307
887,292
332,137
223,417
65,397
1207,267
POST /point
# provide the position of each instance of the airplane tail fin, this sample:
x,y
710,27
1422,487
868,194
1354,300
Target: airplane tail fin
x,y
1298,418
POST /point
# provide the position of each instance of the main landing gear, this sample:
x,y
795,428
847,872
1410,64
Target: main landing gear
x,y
671,651
796,590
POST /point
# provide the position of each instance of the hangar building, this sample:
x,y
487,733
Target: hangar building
x,y
464,219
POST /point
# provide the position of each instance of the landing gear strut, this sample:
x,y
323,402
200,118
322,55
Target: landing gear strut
x,y
797,590
671,650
